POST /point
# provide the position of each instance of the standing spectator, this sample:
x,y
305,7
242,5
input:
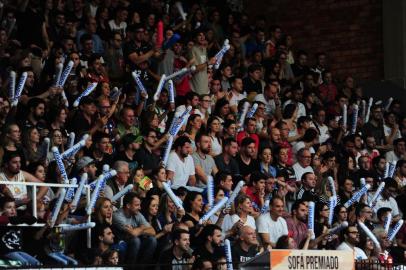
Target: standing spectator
x,y
181,168
204,163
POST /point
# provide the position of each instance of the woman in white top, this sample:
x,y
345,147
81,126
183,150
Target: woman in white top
x,y
242,217
214,129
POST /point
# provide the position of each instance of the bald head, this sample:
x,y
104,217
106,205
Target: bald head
x,y
248,236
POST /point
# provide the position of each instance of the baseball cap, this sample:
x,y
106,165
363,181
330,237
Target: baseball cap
x,y
83,162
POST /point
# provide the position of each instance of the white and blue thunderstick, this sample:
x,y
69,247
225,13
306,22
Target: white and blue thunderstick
x,y
65,74
388,220
175,199
243,114
357,195
20,88
57,207
252,111
75,148
210,191
122,192
339,228
171,92
229,257
377,194
139,84
59,162
331,205
58,73
95,195
369,234
78,193
392,168
178,122
85,93
213,210
354,119
167,150
71,191
390,100
345,116
220,54
310,218
235,193
395,230
370,101
71,140
12,85
159,88
332,187
77,227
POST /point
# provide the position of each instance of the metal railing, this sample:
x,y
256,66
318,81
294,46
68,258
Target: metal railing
x,y
34,186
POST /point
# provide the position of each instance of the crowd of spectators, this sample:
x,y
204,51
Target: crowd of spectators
x,y
284,153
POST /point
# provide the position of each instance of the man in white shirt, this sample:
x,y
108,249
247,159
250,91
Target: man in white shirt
x,y
319,123
351,239
302,166
193,100
236,94
270,99
272,226
398,152
181,168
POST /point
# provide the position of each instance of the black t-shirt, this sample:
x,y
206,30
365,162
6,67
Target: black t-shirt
x,y
240,255
129,48
250,86
246,169
168,261
132,163
11,239
231,167
148,160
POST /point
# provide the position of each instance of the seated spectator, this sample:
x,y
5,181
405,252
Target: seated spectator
x,y
135,230
181,169
179,253
351,240
246,246
272,226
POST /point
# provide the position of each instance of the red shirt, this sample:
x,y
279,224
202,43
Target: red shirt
x,y
328,92
242,134
182,86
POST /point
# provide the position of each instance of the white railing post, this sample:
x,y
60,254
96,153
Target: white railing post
x,y
34,200
89,218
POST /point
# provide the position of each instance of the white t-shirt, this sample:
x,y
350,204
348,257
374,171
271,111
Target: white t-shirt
x,y
388,130
270,106
324,134
181,169
237,97
359,254
275,229
390,203
299,170
229,222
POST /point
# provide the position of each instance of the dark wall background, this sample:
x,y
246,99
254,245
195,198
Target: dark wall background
x,y
349,31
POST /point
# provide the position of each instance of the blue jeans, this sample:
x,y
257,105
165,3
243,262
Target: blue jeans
x,y
62,258
24,258
142,247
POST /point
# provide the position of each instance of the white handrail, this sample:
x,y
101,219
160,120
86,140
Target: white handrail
x,y
38,184
34,201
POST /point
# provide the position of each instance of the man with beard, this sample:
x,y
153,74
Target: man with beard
x,y
179,253
86,165
132,227
180,168
211,249
147,156
226,162
246,162
246,246
351,240
204,163
35,117
374,127
272,225
297,223
11,171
